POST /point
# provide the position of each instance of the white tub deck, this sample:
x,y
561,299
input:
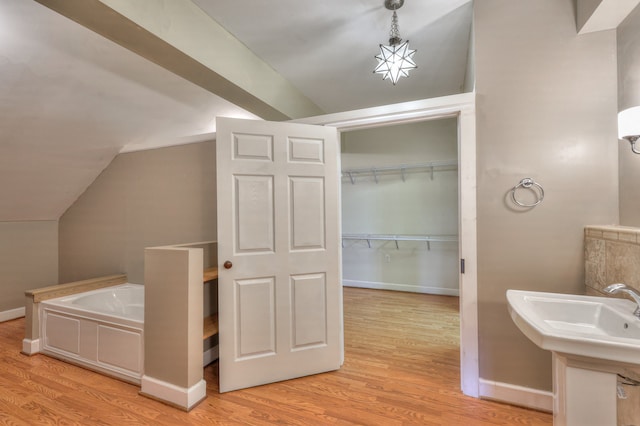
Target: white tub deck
x,y
102,330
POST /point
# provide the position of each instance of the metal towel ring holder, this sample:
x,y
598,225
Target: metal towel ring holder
x,y
528,183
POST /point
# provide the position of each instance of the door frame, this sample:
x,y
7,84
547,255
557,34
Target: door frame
x,y
461,106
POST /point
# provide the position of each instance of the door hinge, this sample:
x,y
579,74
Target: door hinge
x,y
462,266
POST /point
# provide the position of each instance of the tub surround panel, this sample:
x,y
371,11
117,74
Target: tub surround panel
x,y
32,299
108,348
92,334
612,255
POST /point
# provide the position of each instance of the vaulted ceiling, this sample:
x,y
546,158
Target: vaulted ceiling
x,y
82,80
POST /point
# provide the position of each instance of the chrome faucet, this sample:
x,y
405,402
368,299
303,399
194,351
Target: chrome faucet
x,y
622,288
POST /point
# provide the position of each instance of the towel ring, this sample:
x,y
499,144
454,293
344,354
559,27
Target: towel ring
x,y
529,184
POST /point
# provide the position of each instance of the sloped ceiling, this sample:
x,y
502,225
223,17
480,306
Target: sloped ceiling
x,y
327,48
71,99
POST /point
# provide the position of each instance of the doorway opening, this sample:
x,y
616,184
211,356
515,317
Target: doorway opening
x,y
400,234
400,207
462,107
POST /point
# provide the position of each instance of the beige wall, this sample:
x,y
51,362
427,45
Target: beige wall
x,y
28,259
546,105
142,199
629,96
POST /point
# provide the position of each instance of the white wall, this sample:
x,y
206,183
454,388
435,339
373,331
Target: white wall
x,y
418,205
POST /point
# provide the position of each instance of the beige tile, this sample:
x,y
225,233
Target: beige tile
x,y
622,263
593,292
628,236
594,263
593,232
610,235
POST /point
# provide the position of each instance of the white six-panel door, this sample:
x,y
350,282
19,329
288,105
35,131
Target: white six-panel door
x,y
280,300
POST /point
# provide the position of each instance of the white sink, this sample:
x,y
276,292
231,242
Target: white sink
x,y
595,327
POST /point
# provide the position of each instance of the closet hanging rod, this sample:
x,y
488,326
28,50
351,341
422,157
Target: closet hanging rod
x,y
386,237
402,168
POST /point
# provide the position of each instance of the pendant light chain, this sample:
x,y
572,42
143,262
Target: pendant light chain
x,y
394,34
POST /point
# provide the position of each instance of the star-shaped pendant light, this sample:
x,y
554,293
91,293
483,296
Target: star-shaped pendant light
x,y
395,60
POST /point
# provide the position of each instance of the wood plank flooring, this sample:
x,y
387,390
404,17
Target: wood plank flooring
x,y
401,367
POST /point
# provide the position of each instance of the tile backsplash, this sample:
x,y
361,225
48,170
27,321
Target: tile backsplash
x,y
612,255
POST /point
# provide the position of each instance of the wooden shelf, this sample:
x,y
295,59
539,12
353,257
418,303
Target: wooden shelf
x,y
210,326
210,274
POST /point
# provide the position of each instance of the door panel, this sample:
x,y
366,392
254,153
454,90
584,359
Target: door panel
x,y
307,213
256,326
280,304
254,222
309,311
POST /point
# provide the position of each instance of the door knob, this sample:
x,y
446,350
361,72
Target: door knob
x,y
227,265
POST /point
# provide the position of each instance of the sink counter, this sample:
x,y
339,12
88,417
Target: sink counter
x,y
591,339
595,327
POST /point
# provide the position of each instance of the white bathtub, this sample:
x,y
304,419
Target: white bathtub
x,y
102,330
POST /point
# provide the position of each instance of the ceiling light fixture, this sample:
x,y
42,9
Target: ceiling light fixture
x,y
395,60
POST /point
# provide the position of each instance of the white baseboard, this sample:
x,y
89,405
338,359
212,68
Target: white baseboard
x,y
210,355
11,314
517,395
402,287
30,347
185,398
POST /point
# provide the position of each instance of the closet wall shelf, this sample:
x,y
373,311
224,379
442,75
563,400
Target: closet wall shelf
x,y
430,167
386,237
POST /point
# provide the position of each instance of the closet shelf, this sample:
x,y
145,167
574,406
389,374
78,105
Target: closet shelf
x,y
431,167
210,274
386,237
210,326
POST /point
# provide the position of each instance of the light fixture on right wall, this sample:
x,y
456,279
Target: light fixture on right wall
x,y
629,126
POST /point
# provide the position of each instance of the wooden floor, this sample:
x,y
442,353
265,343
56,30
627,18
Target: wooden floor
x,y
401,367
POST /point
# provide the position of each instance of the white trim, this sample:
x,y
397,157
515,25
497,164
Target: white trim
x,y
406,112
210,355
411,288
517,395
30,347
174,395
11,314
164,143
467,247
462,106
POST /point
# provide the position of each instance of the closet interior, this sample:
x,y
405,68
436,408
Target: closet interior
x,y
400,207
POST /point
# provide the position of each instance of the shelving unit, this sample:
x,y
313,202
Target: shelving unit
x,y
210,324
386,237
403,169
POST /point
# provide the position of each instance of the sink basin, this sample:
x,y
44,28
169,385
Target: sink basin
x,y
595,327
